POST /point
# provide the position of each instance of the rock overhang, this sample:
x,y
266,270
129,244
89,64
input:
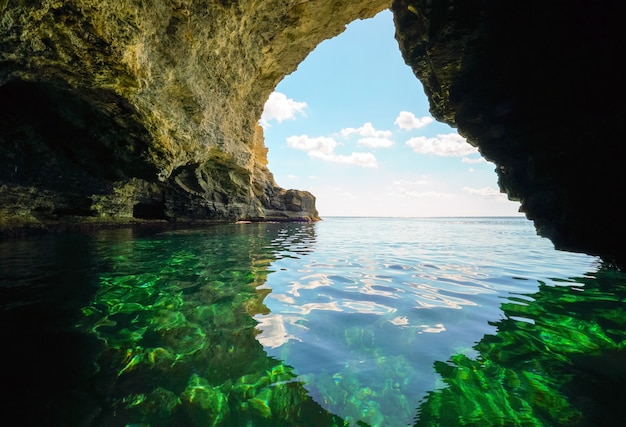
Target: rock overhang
x,y
190,79
163,99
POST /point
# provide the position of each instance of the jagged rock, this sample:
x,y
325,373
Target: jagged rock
x,y
538,87
125,110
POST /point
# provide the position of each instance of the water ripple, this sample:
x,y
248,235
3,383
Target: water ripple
x,y
419,291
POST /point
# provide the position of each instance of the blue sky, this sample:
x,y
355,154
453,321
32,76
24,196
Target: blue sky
x,y
352,126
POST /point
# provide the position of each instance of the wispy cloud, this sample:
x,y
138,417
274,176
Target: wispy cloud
x,y
366,160
485,193
422,194
403,188
280,108
323,148
408,121
404,183
449,145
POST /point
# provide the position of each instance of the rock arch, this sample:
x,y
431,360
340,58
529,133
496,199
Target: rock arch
x,y
156,104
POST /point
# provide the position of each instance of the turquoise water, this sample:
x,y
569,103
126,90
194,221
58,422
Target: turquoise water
x,y
346,322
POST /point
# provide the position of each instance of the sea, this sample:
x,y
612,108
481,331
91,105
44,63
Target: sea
x,y
343,322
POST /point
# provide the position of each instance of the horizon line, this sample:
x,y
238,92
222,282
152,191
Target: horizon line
x,y
437,216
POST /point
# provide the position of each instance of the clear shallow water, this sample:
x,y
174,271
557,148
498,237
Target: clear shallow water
x,y
349,321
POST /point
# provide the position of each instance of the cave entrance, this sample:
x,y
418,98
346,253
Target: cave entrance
x,y
53,136
352,125
69,145
153,210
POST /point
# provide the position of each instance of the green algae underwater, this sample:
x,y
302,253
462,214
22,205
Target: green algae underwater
x,y
163,330
180,338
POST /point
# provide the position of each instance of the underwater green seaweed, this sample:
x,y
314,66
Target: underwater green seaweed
x,y
544,346
180,341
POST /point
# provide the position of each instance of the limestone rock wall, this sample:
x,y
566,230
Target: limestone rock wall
x,y
148,109
538,87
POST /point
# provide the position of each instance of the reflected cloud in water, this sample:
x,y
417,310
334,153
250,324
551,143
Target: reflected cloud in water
x,y
367,325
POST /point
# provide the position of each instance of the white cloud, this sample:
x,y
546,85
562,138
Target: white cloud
x,y
485,192
367,130
319,144
323,148
280,108
408,121
366,160
371,137
478,160
449,145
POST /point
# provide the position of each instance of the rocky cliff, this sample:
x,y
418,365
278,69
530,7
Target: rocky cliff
x,y
121,110
538,87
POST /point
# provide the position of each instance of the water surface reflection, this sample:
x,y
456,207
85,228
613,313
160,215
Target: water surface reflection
x,y
119,329
557,359
364,320
345,322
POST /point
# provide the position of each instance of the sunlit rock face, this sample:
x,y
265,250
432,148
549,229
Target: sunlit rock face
x,y
539,88
122,110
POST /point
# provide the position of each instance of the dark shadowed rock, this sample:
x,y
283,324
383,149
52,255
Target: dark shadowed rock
x,y
538,88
